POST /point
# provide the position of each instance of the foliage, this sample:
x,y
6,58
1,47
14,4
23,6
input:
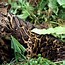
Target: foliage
x,y
53,5
45,11
50,11
62,3
18,49
22,8
38,61
57,32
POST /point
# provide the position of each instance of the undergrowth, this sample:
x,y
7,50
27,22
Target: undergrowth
x,y
58,32
20,59
49,11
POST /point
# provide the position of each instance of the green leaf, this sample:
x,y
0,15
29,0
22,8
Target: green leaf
x,y
19,45
20,1
50,30
56,30
39,31
64,62
62,3
62,15
42,4
24,15
18,48
27,9
53,5
14,5
9,1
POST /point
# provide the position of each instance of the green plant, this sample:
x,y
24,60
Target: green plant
x,y
57,32
46,11
62,3
21,8
38,61
24,10
50,11
18,49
